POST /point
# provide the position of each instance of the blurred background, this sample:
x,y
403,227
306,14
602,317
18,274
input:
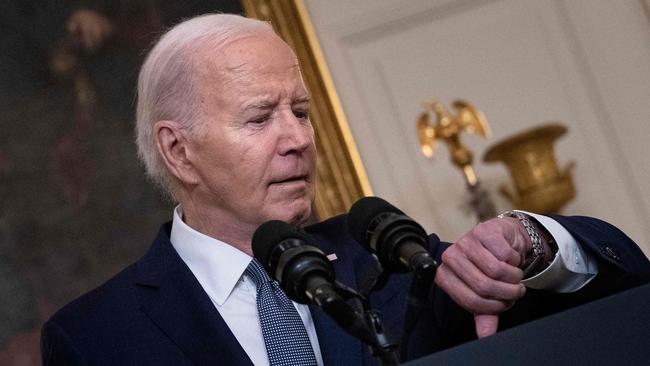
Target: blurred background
x,y
75,206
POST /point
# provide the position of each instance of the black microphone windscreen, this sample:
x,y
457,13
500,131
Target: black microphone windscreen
x,y
363,212
268,235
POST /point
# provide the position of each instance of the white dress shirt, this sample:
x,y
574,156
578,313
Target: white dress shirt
x,y
219,268
571,269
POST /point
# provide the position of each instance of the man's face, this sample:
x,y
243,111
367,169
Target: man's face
x,y
254,151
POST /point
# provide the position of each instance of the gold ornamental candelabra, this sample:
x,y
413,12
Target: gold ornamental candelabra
x,y
448,128
539,184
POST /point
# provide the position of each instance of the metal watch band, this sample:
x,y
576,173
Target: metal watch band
x,y
535,239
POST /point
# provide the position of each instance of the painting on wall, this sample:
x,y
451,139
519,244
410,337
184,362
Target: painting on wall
x,y
75,206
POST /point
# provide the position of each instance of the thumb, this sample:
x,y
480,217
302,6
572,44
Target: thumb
x,y
486,324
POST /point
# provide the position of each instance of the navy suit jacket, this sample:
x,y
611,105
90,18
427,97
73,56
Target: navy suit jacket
x,y
155,312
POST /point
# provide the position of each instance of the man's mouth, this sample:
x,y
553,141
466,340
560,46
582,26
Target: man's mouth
x,y
289,180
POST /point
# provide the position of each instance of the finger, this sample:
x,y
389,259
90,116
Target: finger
x,y
464,296
500,239
478,282
486,324
489,264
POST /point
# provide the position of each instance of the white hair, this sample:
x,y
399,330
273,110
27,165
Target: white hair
x,y
167,87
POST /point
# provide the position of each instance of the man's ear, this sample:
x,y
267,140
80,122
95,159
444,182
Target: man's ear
x,y
173,147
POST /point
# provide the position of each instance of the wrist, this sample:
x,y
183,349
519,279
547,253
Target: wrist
x,y
542,249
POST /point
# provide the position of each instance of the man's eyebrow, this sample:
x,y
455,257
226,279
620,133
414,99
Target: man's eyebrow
x,y
305,99
269,103
260,104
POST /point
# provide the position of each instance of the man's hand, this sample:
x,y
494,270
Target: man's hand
x,y
481,271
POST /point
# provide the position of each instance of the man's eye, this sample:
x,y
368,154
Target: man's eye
x,y
259,120
301,114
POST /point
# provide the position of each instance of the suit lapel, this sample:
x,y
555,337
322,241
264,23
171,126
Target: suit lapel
x,y
173,299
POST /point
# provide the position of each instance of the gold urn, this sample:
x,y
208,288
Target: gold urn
x,y
540,186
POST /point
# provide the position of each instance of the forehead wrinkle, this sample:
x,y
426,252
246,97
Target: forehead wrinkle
x,y
262,103
236,69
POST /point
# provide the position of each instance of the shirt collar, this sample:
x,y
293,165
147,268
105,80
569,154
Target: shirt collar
x,y
217,266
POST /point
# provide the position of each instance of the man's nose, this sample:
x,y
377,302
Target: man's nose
x,y
296,134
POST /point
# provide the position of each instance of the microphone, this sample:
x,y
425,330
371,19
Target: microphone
x,y
398,241
303,271
400,245
305,274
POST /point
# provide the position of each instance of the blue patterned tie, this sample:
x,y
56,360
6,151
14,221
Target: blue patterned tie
x,y
285,336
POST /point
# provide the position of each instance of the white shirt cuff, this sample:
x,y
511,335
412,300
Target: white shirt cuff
x,y
571,269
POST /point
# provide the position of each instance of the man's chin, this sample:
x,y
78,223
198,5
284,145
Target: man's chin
x,y
296,213
300,218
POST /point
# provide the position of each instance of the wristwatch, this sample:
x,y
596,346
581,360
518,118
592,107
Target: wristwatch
x,y
536,256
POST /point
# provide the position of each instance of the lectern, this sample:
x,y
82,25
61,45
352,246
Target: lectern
x,y
611,331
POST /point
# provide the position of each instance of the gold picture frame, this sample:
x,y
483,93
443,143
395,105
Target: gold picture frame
x,y
341,178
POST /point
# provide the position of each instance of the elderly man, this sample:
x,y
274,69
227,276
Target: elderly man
x,y
223,127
